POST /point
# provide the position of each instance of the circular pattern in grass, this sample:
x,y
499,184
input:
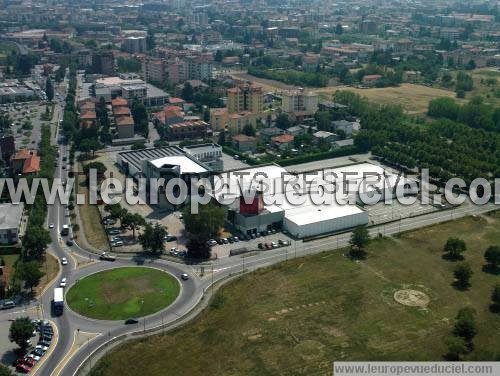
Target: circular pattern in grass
x,y
122,293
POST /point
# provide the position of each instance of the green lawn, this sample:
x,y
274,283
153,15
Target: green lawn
x,y
296,318
123,293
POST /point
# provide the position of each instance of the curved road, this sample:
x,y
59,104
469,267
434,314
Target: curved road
x,y
192,290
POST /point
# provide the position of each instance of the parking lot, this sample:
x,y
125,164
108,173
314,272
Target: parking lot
x,y
39,344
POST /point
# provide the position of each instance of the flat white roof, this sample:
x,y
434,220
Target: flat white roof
x,y
310,213
187,165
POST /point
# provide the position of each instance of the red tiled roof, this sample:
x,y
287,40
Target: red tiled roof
x,y
121,111
124,120
176,100
89,115
21,154
31,164
283,139
117,102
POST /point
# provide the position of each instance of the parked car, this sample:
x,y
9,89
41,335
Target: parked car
x,y
108,221
64,261
23,368
8,304
170,238
274,245
268,245
236,239
211,242
63,282
283,242
220,241
113,231
230,240
118,243
225,241
35,357
261,246
51,225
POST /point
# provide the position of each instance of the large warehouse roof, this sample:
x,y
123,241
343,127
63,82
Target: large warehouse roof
x,y
186,164
135,157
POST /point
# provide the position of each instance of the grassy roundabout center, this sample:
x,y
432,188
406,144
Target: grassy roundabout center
x,y
122,293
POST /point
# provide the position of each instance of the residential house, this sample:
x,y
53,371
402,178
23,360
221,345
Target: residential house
x,y
266,134
283,142
244,143
25,162
11,219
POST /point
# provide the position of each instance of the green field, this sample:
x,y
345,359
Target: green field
x,y
296,318
123,293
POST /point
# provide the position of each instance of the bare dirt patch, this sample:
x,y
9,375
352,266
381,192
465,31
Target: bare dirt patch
x,y
412,298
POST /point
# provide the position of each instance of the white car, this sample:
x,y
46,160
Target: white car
x,y
64,261
43,348
36,358
51,225
63,282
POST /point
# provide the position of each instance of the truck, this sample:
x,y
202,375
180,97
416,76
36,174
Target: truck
x,y
65,230
58,302
107,256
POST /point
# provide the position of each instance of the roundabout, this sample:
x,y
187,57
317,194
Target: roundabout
x,y
122,293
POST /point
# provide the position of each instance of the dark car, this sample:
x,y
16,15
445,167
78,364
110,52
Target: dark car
x,y
220,241
230,240
69,242
170,238
131,321
38,352
261,246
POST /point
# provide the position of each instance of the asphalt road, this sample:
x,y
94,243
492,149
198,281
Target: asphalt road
x,y
191,291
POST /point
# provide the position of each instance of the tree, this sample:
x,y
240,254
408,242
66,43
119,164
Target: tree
x,y
282,121
187,92
98,166
456,347
206,223
133,221
463,273
5,371
49,89
465,326
140,115
152,237
495,298
137,145
323,118
338,29
222,138
492,257
115,211
198,248
20,331
30,273
248,130
359,240
454,248
35,242
206,114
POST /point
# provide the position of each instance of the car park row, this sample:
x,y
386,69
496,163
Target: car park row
x,y
27,361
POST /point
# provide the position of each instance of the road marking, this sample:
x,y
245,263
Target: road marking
x,y
73,350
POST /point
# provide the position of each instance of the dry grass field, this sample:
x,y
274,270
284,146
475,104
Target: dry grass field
x,y
296,318
413,98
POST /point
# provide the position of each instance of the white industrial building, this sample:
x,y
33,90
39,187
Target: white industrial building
x,y
305,205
